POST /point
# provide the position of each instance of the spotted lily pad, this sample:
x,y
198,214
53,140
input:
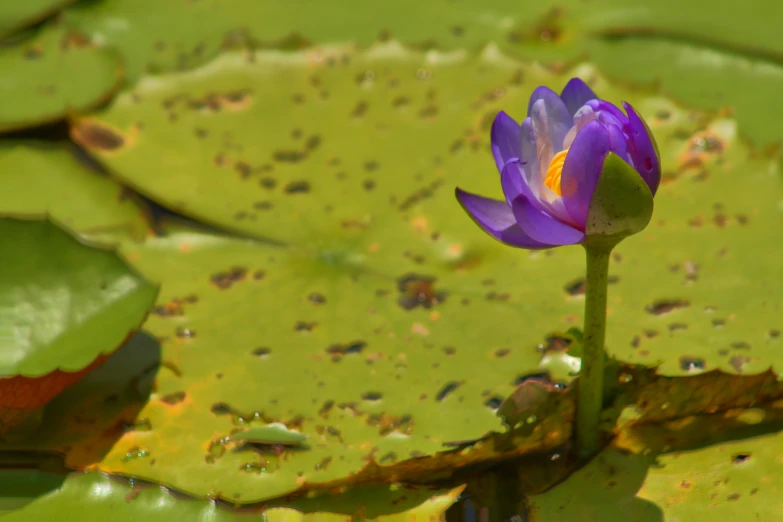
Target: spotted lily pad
x,y
391,382
144,32
15,15
55,72
327,140
709,58
57,180
65,306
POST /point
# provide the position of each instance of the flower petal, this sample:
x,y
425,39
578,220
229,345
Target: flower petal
x,y
542,227
642,150
609,109
529,157
551,122
575,94
582,168
506,139
497,220
512,179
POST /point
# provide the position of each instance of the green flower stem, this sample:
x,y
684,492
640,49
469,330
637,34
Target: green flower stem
x,y
591,376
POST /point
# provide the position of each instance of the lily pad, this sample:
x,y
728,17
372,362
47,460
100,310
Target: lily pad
x,y
15,15
41,178
65,306
55,72
99,497
143,30
388,383
725,464
344,191
709,58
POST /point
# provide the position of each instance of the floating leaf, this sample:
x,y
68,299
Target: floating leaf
x,y
42,178
99,497
65,306
52,74
274,433
15,15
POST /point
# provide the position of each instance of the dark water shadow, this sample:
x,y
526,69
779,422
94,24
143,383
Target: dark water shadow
x,y
602,491
87,419
21,487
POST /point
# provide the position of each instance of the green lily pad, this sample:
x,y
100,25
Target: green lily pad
x,y
374,317
99,497
54,73
390,382
40,178
143,30
65,302
15,15
65,306
330,188
709,58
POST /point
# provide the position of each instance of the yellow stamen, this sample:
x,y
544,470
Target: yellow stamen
x,y
555,170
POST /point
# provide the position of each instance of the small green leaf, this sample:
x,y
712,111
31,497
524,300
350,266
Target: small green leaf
x,y
99,497
274,433
62,302
53,74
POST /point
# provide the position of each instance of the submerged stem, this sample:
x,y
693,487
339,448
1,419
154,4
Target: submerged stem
x,y
591,376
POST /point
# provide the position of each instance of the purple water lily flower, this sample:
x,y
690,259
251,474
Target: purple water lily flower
x,y
551,163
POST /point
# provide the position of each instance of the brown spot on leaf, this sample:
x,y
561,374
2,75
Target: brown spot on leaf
x,y
316,298
738,458
501,352
261,351
173,398
418,290
497,296
96,136
304,326
323,464
420,194
738,362
447,390
338,350
289,156
372,396
664,306
297,187
388,423
243,169
359,110
224,280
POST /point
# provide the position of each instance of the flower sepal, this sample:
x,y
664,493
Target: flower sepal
x,y
621,206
